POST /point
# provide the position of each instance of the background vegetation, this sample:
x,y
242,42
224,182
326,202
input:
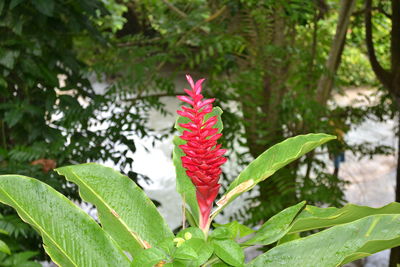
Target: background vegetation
x,y
273,65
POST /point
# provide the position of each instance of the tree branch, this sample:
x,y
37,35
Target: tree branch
x,y
134,99
395,41
380,72
377,8
216,14
175,9
140,42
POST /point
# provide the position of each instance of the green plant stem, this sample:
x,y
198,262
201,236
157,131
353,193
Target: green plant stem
x,y
213,259
183,212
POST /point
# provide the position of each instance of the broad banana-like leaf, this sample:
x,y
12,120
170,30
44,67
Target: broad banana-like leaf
x,y
184,185
276,227
70,236
313,217
125,212
337,245
271,161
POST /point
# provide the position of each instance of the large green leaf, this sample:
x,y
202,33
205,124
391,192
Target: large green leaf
x,y
337,245
148,258
271,161
125,212
184,185
314,218
276,227
229,251
70,236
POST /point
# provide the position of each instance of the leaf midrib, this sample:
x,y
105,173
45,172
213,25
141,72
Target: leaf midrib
x,y
138,239
284,162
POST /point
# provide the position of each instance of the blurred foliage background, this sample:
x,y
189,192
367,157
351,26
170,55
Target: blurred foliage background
x,y
273,66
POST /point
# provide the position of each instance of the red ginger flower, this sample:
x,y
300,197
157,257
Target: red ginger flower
x,y
203,158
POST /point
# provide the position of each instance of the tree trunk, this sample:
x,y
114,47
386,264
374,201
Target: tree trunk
x,y
325,83
395,252
390,80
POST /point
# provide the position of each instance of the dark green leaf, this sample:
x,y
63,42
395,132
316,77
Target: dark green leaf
x,y
14,3
12,117
8,58
44,6
1,10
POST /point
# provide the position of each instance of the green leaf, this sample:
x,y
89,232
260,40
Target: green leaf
x,y
4,248
176,263
194,231
8,58
167,245
337,245
71,237
289,237
184,185
229,251
189,217
148,258
14,3
12,117
235,229
202,251
276,227
202,248
4,232
21,259
185,252
221,233
220,264
1,10
29,264
270,161
314,217
45,7
125,212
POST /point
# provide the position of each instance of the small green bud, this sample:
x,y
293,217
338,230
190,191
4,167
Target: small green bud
x,y
188,235
179,241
